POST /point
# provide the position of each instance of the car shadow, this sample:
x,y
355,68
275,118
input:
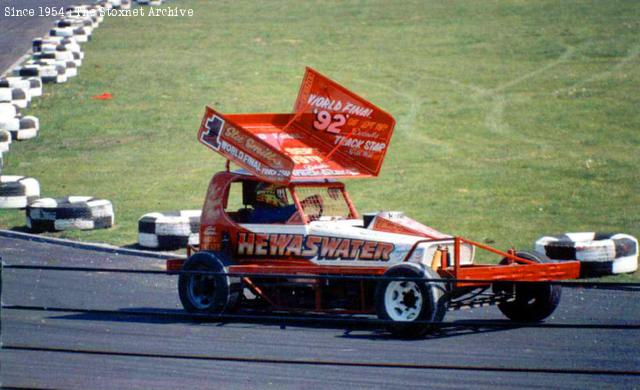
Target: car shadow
x,y
351,327
20,229
442,330
137,246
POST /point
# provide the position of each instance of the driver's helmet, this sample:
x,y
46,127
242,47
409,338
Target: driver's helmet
x,y
271,195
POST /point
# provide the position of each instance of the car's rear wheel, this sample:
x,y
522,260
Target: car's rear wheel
x,y
411,305
204,293
531,302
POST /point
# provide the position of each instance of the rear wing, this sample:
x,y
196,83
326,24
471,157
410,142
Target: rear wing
x,y
332,133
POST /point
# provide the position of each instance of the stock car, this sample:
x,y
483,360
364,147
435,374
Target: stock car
x,y
282,234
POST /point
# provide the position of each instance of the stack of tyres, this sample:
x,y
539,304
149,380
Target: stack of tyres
x,y
5,141
63,55
80,34
50,44
24,127
85,12
18,192
32,84
69,68
69,213
18,96
20,127
48,73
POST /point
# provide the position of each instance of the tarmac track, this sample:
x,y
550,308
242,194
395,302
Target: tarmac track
x,y
78,349
17,32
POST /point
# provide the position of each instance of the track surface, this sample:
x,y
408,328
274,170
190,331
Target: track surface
x,y
547,348
17,32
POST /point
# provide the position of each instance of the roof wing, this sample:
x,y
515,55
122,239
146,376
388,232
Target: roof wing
x,y
333,133
350,129
239,145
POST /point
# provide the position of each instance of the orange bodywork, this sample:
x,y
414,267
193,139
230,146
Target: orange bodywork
x,y
517,269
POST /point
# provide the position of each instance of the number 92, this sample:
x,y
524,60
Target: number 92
x,y
325,121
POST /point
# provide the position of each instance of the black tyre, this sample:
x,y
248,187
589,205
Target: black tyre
x,y
532,302
207,293
71,212
407,302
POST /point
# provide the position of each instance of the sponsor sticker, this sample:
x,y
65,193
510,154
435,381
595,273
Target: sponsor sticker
x,y
312,247
214,126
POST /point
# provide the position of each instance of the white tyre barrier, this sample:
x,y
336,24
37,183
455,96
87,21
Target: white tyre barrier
x,y
32,84
51,39
84,11
87,24
46,46
168,230
76,53
18,96
17,192
48,73
23,128
58,55
83,8
70,213
5,140
598,253
50,44
70,68
77,58
10,124
80,34
104,4
8,111
87,20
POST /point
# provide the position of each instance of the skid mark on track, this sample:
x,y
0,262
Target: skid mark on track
x,y
632,55
411,117
473,88
496,99
496,123
494,119
407,122
563,58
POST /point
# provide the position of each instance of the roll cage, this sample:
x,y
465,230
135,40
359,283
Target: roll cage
x,y
313,200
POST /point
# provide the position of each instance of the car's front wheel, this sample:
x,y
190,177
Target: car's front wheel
x,y
410,304
207,293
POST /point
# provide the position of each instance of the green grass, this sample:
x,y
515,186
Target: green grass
x,y
515,118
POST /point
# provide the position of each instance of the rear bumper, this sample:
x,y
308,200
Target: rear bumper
x,y
487,274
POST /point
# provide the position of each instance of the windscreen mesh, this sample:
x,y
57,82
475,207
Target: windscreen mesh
x,y
323,203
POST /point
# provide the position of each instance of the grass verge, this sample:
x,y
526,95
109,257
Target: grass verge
x,y
515,119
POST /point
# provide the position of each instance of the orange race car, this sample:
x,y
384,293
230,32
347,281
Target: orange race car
x,y
282,233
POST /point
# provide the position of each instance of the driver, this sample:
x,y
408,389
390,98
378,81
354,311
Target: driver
x,y
271,205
